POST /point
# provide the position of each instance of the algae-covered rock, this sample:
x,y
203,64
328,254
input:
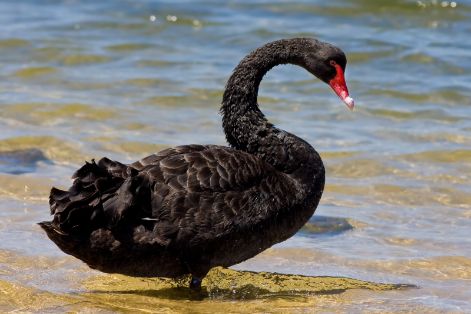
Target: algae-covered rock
x,y
222,283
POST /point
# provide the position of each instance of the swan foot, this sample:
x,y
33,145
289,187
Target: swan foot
x,y
195,283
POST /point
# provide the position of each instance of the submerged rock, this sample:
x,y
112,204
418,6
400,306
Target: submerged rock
x,y
324,225
21,161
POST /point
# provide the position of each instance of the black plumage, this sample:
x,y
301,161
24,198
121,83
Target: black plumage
x,y
187,209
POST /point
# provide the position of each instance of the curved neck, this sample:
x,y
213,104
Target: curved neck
x,y
246,127
241,114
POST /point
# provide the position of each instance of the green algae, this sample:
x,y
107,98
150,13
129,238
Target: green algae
x,y
32,72
13,43
146,82
53,148
195,98
82,59
368,56
223,283
422,114
24,188
156,63
67,57
441,156
126,47
49,113
118,145
83,290
359,168
21,299
445,97
339,154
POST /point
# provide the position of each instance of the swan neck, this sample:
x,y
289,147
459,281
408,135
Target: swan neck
x,y
246,127
242,118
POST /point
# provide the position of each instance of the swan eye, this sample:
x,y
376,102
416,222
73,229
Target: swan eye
x,y
333,63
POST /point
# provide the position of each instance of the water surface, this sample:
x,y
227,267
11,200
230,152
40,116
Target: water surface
x,y
85,79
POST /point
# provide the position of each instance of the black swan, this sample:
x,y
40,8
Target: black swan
x,y
187,209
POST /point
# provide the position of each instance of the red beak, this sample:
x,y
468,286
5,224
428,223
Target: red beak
x,y
340,87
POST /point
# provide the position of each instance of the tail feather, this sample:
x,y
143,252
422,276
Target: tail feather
x,y
101,195
94,220
57,197
57,194
77,245
72,245
50,229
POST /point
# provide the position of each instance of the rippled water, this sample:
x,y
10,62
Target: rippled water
x,y
84,79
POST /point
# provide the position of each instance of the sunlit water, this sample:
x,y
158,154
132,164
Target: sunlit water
x,y
85,79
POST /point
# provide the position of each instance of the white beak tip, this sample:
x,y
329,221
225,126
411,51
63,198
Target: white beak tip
x,y
349,102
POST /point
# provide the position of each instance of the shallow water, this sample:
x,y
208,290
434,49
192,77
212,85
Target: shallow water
x,y
85,79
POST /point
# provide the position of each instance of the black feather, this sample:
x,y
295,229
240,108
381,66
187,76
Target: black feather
x,y
190,208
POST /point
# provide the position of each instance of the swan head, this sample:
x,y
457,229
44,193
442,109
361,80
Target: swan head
x,y
328,63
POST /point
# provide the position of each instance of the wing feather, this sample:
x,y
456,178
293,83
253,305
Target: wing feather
x,y
203,192
180,197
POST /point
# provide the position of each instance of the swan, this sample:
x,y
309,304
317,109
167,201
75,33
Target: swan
x,y
187,209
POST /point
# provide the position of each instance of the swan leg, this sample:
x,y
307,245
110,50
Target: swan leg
x,y
198,268
195,283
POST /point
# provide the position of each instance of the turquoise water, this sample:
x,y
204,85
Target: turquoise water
x,y
85,79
